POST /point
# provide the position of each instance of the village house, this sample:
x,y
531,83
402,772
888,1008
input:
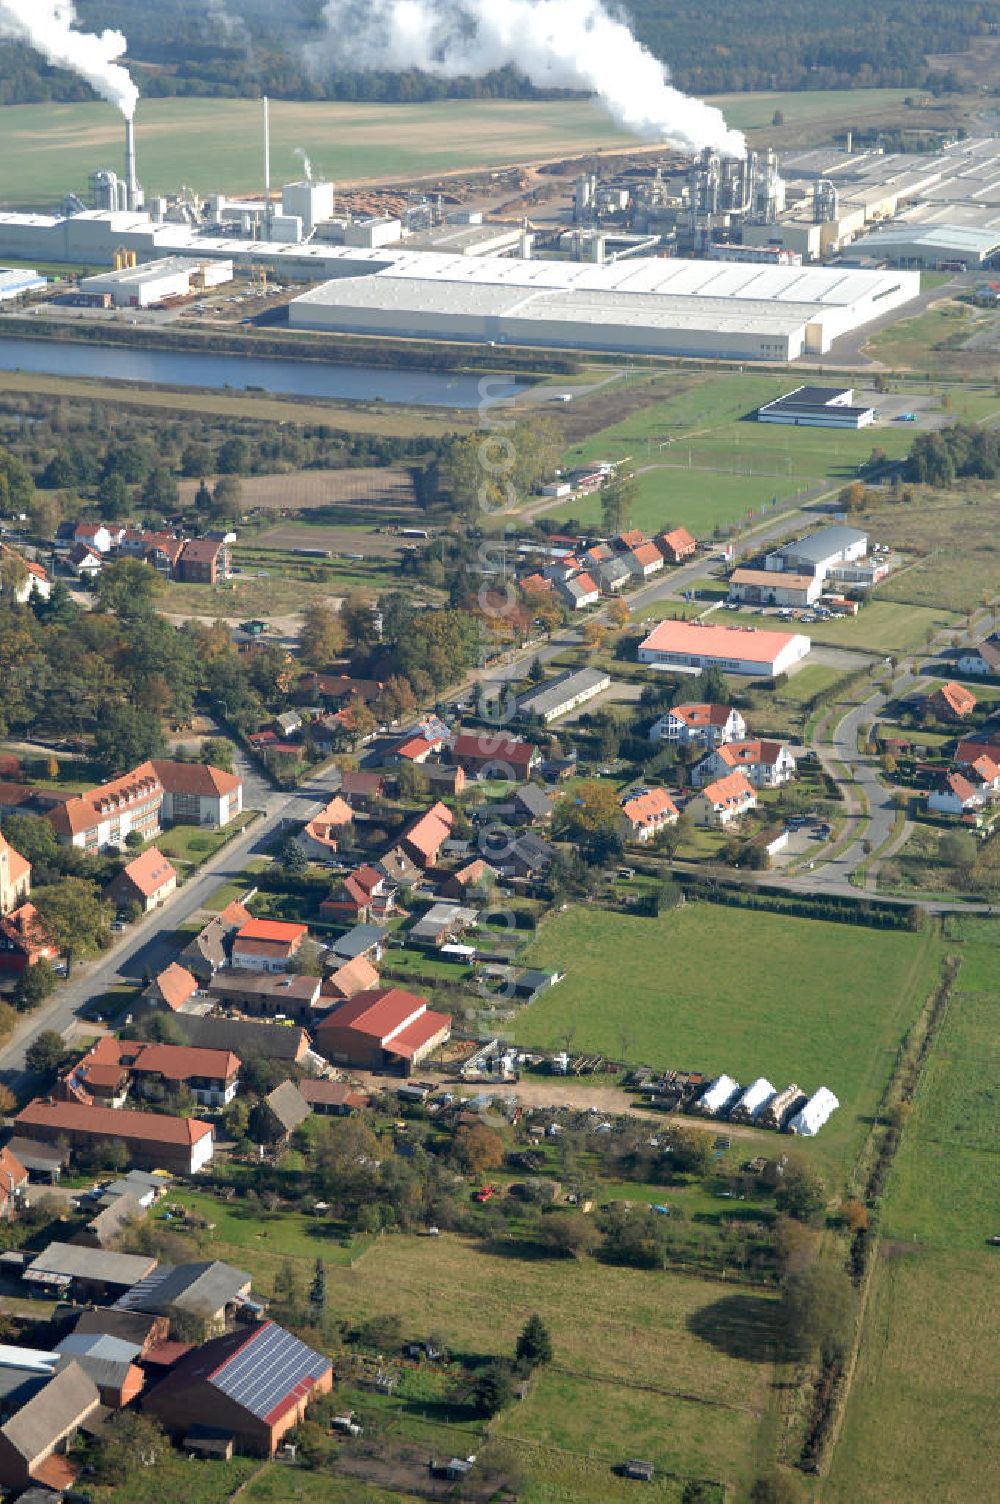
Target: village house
x,y
982,660
153,1140
951,702
35,1440
385,1029
24,940
356,975
612,575
148,881
112,1066
967,789
104,536
285,1109
13,1183
645,812
109,1362
267,944
423,837
767,764
323,834
253,1384
366,893
209,950
172,988
85,562
772,587
203,561
578,592
676,545
724,801
27,577
362,790
361,942
488,754
461,883
15,877
709,725
644,560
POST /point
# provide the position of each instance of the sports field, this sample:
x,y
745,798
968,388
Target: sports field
x,y
702,459
716,989
920,1422
696,1414
216,145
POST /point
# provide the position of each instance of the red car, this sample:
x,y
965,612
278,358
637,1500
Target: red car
x,y
486,1192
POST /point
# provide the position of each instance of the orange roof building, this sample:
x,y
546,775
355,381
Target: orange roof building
x,y
148,881
384,1027
154,1141
723,801
15,877
112,1066
321,837
646,812
676,545
693,646
267,944
23,940
423,838
952,702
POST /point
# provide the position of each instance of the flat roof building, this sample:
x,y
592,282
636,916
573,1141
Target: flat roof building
x,y
692,646
818,553
653,305
817,407
157,281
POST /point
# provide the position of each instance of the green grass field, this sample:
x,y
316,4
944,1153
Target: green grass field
x,y
178,1478
879,627
611,1329
719,463
920,1423
216,145
715,989
279,1484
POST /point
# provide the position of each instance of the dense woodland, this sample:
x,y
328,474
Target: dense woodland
x,y
184,47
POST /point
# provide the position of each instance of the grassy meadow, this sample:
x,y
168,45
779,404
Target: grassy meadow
x,y
696,1415
714,989
920,1421
702,459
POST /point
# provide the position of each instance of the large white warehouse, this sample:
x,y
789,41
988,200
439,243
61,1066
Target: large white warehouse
x,y
648,305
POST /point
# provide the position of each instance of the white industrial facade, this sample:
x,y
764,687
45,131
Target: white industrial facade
x,y
644,304
155,281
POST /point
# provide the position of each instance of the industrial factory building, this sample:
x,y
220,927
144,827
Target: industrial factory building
x,y
817,407
156,281
647,305
16,281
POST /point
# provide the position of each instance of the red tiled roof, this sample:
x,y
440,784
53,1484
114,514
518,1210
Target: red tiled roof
x,y
633,539
273,930
702,715
356,975
17,865
647,553
418,1033
332,1094
110,1122
742,644
732,789
649,807
195,778
428,833
747,753
679,540
176,985
378,1012
149,873
487,746
960,701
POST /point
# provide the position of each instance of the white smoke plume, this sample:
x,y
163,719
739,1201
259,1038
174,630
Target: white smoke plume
x,y
233,28
49,27
306,163
564,44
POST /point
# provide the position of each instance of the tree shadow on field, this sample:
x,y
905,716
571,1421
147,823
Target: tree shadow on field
x,y
741,1327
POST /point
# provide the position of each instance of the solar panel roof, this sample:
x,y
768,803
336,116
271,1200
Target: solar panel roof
x,y
267,1370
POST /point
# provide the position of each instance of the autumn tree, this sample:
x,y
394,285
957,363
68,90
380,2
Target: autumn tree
x,y
619,614
479,1149
594,806
322,636
128,587
72,913
594,634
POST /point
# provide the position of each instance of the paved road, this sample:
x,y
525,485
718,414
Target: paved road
x,y
149,945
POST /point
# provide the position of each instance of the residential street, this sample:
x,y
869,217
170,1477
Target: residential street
x,y
149,945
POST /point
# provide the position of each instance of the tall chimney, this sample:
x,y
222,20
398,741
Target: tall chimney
x,y
267,169
131,182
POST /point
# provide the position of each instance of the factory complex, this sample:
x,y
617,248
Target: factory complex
x,y
652,305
